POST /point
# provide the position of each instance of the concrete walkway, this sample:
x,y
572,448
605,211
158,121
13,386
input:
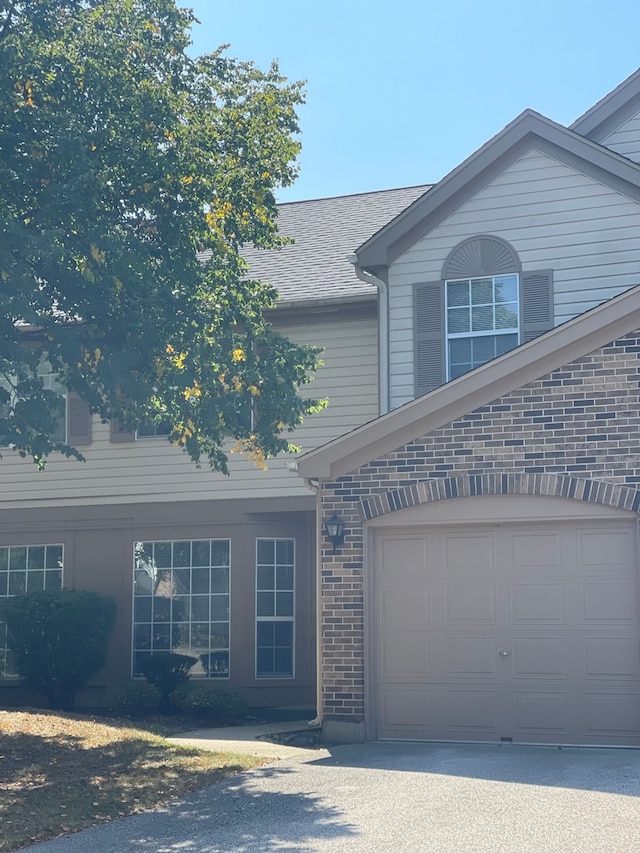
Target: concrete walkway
x,y
253,740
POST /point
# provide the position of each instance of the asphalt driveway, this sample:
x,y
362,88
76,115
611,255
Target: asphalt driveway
x,y
399,798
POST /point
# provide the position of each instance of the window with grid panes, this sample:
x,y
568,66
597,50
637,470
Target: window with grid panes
x,y
26,568
482,320
275,608
181,603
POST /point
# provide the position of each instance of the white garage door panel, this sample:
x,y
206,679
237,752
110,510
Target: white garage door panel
x,y
514,632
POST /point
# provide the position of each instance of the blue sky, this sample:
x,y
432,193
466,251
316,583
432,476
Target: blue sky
x,y
400,93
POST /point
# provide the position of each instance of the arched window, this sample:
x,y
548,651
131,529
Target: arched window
x,y
483,306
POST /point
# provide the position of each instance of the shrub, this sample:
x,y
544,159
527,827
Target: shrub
x,y
167,671
218,705
135,699
58,639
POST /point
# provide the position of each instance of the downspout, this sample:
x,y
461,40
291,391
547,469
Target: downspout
x,y
314,486
383,332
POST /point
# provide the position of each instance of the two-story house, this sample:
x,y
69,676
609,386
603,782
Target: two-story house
x,y
487,585
480,447
218,567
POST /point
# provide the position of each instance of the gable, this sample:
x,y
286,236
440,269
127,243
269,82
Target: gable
x,y
555,217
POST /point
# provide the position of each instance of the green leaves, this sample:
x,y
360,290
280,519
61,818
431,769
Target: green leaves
x,y
122,162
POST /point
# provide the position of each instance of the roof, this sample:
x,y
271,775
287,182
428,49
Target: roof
x,y
529,130
561,345
611,111
326,230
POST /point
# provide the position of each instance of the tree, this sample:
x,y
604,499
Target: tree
x,y
131,175
58,639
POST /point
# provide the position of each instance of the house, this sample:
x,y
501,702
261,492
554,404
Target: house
x,y
218,567
480,449
487,585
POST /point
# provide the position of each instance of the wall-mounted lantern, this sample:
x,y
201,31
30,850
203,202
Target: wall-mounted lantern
x,y
334,530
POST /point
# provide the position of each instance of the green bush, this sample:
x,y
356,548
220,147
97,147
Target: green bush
x,y
135,699
58,639
167,671
218,705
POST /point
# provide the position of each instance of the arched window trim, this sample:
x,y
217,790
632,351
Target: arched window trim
x,y
464,251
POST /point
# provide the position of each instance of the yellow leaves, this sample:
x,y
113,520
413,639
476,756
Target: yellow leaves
x,y
92,358
192,394
254,453
188,179
182,433
147,186
238,354
253,390
26,90
169,349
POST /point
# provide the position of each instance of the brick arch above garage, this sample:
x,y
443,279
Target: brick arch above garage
x,y
590,491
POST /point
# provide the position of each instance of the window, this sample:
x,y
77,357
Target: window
x,y
153,430
26,568
481,320
50,383
181,603
484,305
275,588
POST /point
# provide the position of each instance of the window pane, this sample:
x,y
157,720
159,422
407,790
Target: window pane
x,y
181,582
265,604
142,637
219,608
284,551
265,633
284,604
17,583
181,554
161,609
284,577
54,557
35,581
53,580
264,661
220,635
220,553
460,350
219,580
266,577
201,553
142,608
458,320
200,581
180,608
4,559
266,551
506,288
283,633
283,662
482,291
4,581
36,557
504,343
162,554
200,635
482,318
484,349
17,558
200,608
457,293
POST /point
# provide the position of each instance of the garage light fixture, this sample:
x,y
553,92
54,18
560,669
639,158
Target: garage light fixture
x,y
334,530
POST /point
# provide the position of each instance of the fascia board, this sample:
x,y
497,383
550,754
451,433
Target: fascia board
x,y
529,362
529,130
611,111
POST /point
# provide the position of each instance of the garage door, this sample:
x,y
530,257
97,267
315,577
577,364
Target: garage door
x,y
523,633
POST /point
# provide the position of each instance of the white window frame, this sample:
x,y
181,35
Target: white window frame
x,y
451,336
274,619
53,571
198,671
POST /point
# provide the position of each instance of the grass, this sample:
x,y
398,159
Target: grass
x,y
61,772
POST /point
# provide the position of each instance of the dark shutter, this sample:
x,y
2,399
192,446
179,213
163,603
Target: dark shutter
x,y
78,421
119,434
429,356
537,304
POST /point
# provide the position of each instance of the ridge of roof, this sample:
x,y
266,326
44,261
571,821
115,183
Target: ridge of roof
x,y
378,251
611,110
559,346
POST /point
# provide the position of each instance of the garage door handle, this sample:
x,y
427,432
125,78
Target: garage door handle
x,y
504,654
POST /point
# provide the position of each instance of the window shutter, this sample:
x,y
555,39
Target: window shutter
x,y
78,421
537,303
428,324
119,435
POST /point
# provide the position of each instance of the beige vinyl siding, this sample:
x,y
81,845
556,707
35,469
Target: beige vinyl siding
x,y
625,139
151,470
555,217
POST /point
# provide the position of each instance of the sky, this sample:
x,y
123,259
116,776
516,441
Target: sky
x,y
399,93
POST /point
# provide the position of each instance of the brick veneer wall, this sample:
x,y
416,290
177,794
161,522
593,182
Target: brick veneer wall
x,y
573,433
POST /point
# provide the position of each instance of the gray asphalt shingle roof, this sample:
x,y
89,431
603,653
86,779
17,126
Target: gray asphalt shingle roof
x,y
326,230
